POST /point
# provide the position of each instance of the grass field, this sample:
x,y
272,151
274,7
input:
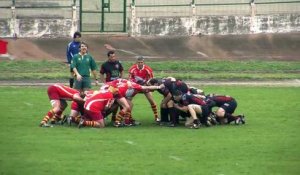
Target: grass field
x,y
186,70
268,144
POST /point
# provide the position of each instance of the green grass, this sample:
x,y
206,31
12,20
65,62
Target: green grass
x,y
188,70
268,144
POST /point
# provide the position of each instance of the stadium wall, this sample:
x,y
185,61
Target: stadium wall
x,y
221,25
63,19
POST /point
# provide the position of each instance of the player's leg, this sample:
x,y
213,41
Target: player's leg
x,y
174,116
75,114
51,113
86,84
164,111
71,79
53,95
92,119
229,113
121,115
58,115
195,110
149,97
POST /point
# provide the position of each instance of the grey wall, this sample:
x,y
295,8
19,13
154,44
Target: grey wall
x,y
221,25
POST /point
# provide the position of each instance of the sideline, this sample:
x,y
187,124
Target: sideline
x,y
271,83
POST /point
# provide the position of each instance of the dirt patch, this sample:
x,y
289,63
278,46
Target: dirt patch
x,y
231,47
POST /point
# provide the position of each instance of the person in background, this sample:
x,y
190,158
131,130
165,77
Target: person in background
x,y
73,49
112,68
82,65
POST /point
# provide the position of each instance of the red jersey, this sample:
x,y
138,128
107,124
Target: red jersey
x,y
140,76
126,88
58,91
97,102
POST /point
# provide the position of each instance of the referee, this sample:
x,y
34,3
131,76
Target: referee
x,y
81,65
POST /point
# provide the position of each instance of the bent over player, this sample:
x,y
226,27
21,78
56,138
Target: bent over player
x,y
227,106
58,94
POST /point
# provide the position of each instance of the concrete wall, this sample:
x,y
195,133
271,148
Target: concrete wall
x,y
64,22
221,25
36,28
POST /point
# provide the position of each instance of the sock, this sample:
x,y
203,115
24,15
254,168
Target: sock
x,y
89,123
127,118
76,119
154,109
120,116
164,112
230,117
57,115
49,115
174,117
71,81
196,121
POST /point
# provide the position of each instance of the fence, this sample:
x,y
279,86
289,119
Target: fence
x,y
122,15
167,8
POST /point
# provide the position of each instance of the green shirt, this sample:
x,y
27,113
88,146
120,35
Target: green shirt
x,y
83,64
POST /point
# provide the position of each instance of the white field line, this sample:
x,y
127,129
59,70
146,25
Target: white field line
x,y
129,142
28,104
175,158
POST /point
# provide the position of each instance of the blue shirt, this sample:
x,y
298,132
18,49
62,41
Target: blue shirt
x,y
72,49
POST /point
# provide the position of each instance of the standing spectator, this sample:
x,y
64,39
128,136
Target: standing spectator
x,y
140,73
112,68
73,49
81,64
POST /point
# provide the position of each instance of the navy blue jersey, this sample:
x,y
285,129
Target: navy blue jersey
x,y
187,99
72,49
218,100
173,86
112,70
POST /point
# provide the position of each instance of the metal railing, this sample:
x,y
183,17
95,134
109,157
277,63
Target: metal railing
x,y
167,8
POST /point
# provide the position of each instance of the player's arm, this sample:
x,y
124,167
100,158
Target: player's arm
x,y
73,67
78,76
130,74
121,70
121,74
153,87
77,98
102,78
94,70
180,107
102,72
68,54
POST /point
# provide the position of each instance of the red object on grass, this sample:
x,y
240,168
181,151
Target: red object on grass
x,y
3,47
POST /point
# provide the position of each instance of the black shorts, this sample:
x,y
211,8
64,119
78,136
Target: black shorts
x,y
229,107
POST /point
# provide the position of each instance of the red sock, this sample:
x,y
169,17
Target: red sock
x,y
49,115
89,123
